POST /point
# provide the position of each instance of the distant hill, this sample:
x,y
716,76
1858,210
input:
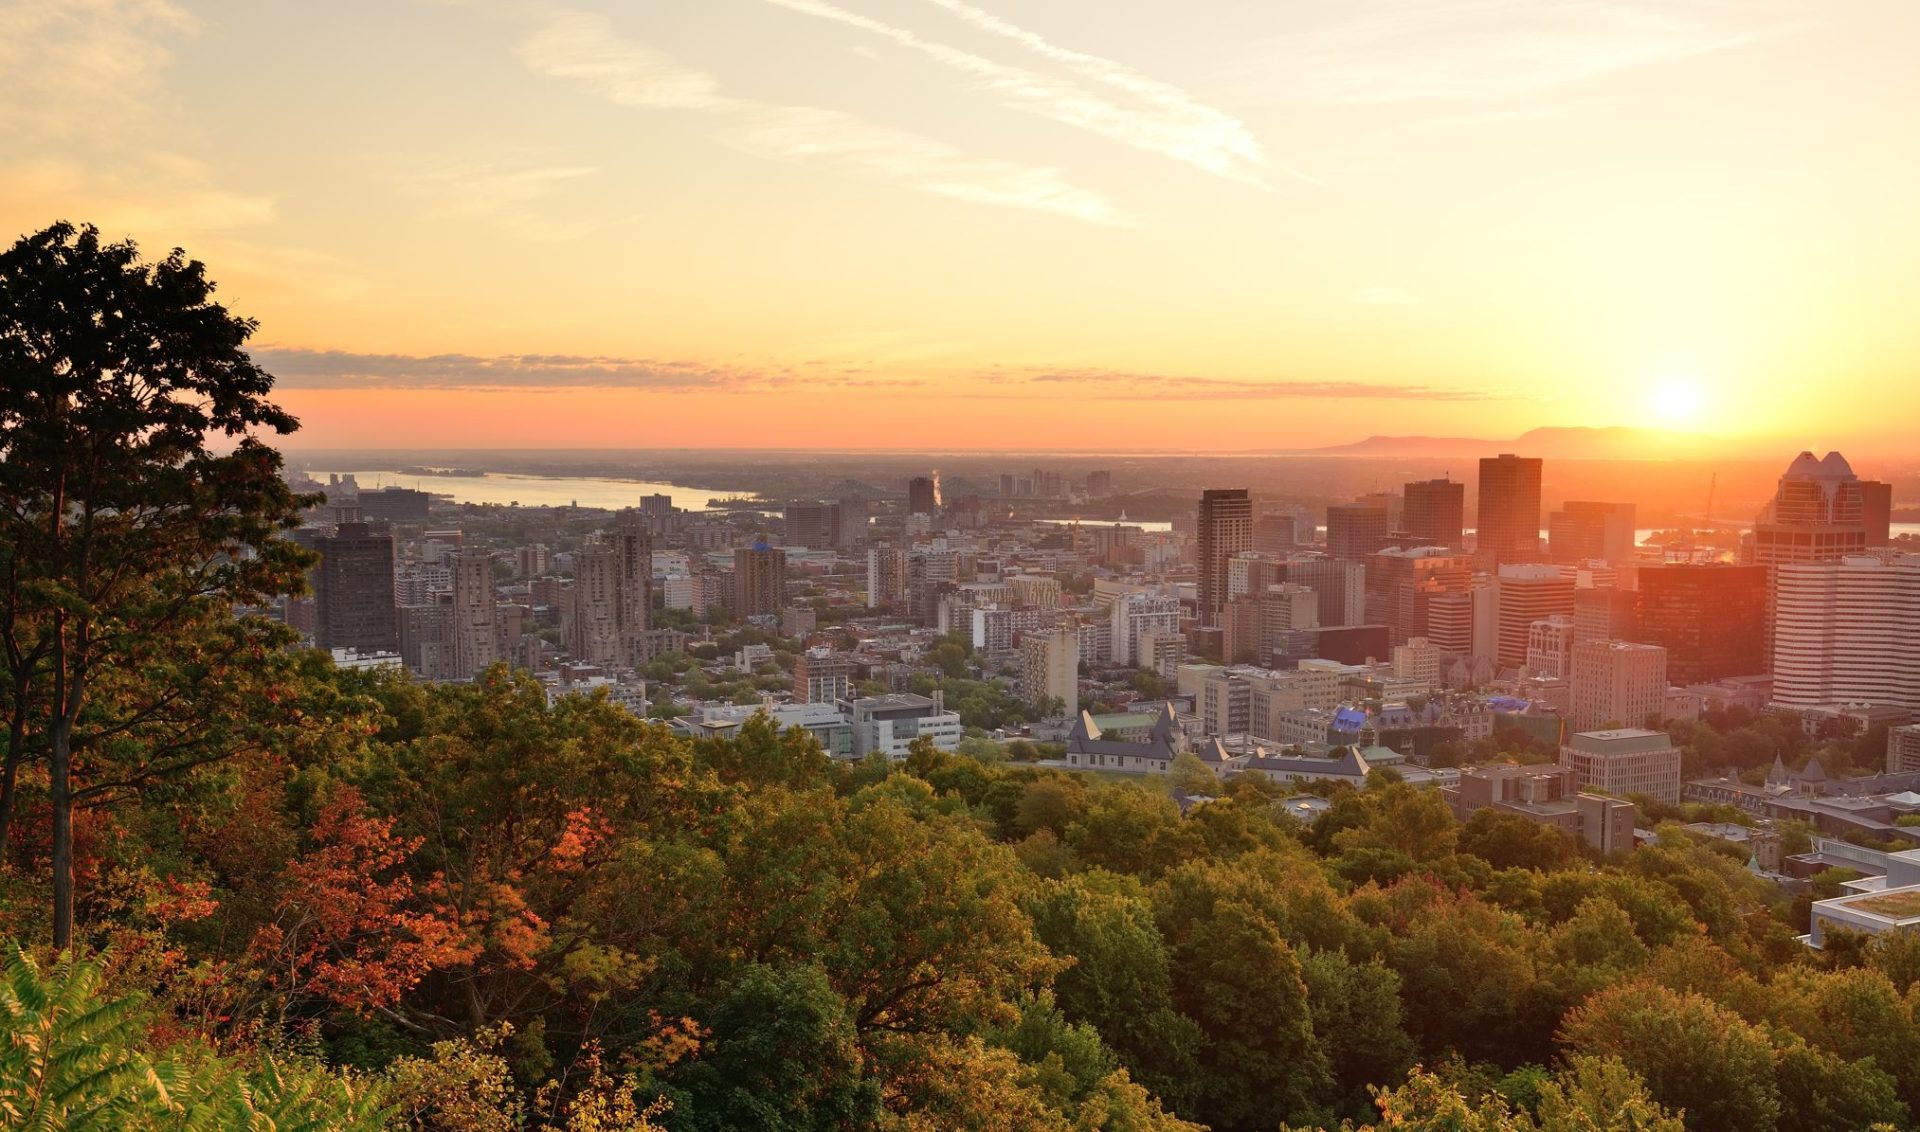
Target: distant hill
x,y
1552,443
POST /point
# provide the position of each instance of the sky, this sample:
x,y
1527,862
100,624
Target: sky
x,y
900,224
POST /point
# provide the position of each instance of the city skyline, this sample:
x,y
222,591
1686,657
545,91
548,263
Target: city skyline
x,y
791,222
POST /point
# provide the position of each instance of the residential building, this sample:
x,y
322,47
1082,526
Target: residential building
x,y
1903,749
822,676
353,590
1616,683
759,580
1050,667
886,576
813,524
1628,760
1508,527
475,628
1135,615
923,495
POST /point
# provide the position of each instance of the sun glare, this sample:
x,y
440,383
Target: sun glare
x,y
1677,402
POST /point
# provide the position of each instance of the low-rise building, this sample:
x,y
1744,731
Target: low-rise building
x,y
1627,760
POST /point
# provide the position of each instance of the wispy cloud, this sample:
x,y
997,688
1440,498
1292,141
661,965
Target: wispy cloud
x,y
1471,50
83,69
336,369
505,197
583,48
1156,117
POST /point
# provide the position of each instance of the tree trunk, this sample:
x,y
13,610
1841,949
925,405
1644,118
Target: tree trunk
x,y
9,776
61,791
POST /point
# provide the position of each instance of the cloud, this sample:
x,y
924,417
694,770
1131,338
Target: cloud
x,y
82,70
503,197
1129,385
584,49
1472,50
1161,119
337,369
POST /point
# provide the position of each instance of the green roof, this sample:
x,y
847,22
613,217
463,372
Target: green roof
x,y
1121,722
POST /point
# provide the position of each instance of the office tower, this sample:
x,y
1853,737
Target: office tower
x,y
1711,619
1876,511
1550,646
353,590
656,512
1276,534
395,504
886,576
813,524
923,495
1583,532
822,676
1289,614
1357,530
1341,587
1606,613
1847,633
1135,615
475,631
1050,668
1817,514
1508,528
1616,684
759,581
1526,593
1224,528
1627,760
1401,585
1252,572
1435,513
1099,485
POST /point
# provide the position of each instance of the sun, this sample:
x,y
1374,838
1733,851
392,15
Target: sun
x,y
1677,401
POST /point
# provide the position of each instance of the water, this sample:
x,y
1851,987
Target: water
x,y
535,491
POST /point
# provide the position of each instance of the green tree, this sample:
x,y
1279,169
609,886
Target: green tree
x,y
1190,776
1693,1054
140,510
1510,841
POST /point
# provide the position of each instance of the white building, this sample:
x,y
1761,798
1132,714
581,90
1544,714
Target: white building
x,y
1135,615
890,724
1847,632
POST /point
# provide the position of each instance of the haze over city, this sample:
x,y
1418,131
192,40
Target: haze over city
x,y
1004,565
752,223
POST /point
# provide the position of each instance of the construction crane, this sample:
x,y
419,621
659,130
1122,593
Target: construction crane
x,y
1706,517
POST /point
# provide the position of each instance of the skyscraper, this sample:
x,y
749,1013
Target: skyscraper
x,y
1508,527
353,590
886,576
1585,531
813,524
923,494
759,580
1526,593
1818,514
1711,619
612,597
1876,511
1847,632
1357,530
1435,513
476,631
1050,668
1224,528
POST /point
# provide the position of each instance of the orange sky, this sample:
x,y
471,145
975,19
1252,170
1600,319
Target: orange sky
x,y
932,223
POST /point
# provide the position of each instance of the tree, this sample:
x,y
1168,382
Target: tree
x,y
1188,775
1511,841
127,534
1693,1054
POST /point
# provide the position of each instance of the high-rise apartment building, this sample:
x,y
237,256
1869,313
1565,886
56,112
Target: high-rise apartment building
x,y
476,621
923,495
1616,683
813,524
1356,531
886,576
1903,749
1508,526
1711,619
1847,633
1526,593
1435,513
1584,532
1050,668
759,580
1224,528
353,590
1136,615
822,676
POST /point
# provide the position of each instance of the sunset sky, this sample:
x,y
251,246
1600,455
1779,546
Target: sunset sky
x,y
927,224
